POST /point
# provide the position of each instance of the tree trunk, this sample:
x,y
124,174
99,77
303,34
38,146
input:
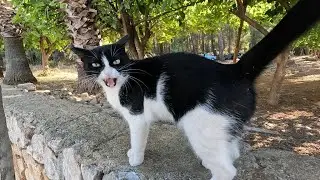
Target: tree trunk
x,y
17,67
81,22
213,47
160,48
190,43
202,43
1,66
278,77
6,164
221,46
207,43
193,43
242,6
230,37
44,55
237,47
281,61
45,60
136,45
129,29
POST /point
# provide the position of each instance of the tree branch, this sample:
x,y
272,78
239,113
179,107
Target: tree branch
x,y
251,22
165,13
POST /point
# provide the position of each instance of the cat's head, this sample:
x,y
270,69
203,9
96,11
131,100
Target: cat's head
x,y
105,62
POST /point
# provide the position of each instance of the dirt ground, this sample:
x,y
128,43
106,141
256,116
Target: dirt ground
x,y
295,121
297,117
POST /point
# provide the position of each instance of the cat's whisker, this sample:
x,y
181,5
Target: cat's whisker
x,y
130,77
138,70
126,66
128,71
140,81
112,50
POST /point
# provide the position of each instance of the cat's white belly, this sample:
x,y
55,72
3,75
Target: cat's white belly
x,y
156,110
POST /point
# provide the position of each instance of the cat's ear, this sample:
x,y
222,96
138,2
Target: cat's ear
x,y
123,40
80,52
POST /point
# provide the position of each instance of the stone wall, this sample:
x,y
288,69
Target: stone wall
x,y
58,139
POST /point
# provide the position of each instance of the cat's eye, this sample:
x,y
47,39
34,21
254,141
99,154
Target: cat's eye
x,y
95,65
116,62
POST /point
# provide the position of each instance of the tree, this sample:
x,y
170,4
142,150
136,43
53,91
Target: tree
x,y
1,57
277,9
242,6
138,18
81,24
17,67
6,164
43,26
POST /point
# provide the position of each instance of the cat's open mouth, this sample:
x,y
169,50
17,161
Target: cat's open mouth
x,y
110,82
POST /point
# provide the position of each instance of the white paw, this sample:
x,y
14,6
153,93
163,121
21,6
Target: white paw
x,y
135,159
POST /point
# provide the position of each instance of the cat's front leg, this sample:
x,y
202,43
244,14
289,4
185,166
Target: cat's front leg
x,y
139,130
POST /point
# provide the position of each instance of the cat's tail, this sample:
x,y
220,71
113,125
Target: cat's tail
x,y
299,19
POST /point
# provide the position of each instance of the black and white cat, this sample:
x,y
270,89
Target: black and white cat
x,y
208,100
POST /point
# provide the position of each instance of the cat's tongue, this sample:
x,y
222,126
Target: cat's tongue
x,y
111,82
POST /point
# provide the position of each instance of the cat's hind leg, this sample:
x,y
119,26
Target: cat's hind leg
x,y
139,130
209,137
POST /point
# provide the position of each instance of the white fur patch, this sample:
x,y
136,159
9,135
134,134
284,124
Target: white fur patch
x,y
156,110
208,134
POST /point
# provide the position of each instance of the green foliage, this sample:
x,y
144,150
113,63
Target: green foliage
x,y
165,26
311,39
41,18
210,18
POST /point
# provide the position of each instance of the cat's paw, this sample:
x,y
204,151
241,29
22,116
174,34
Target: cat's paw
x,y
135,159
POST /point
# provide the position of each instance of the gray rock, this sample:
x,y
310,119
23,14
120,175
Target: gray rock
x,y
71,168
27,86
110,176
90,172
17,134
55,144
84,95
36,147
129,175
77,135
51,165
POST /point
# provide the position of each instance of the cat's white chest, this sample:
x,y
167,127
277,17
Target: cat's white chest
x,y
113,98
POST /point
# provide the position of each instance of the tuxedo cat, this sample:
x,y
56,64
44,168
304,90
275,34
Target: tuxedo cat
x,y
208,100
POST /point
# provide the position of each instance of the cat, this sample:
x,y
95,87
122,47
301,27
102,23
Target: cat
x,y
209,101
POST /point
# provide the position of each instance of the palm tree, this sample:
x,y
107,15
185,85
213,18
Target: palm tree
x,y
17,67
80,22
